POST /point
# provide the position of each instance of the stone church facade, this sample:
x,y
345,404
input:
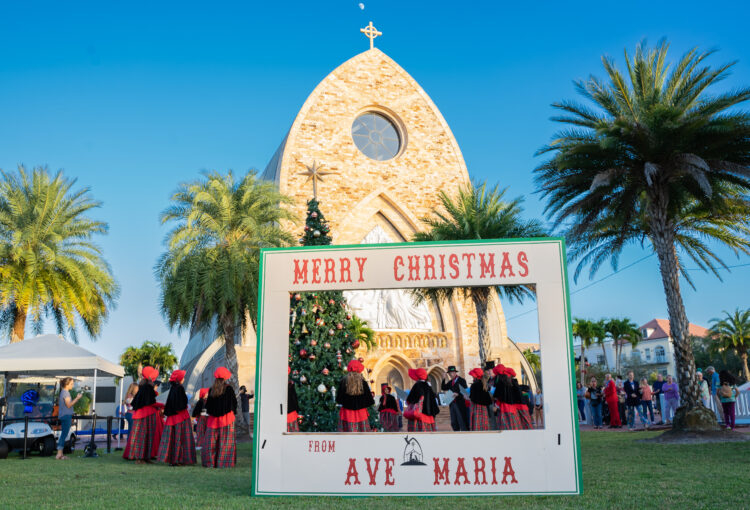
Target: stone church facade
x,y
386,152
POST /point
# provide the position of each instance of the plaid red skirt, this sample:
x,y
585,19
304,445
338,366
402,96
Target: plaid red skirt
x,y
219,447
507,418
142,438
389,422
480,417
200,429
420,426
353,426
177,444
524,417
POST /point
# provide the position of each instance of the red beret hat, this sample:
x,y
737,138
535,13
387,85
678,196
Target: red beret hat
x,y
177,376
203,392
498,369
150,373
222,373
419,374
477,373
509,371
355,366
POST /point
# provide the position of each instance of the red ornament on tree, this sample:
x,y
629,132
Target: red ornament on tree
x,y
355,344
325,371
313,342
298,296
331,332
338,357
331,302
302,353
339,326
327,345
312,356
361,360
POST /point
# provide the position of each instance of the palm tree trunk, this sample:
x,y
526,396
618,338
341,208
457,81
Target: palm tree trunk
x,y
604,353
481,305
662,237
744,366
230,354
19,326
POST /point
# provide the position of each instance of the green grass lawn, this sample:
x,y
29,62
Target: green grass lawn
x,y
618,472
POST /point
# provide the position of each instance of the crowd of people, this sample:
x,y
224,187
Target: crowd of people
x,y
631,400
168,432
494,401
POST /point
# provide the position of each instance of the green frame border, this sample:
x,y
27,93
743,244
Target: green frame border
x,y
385,246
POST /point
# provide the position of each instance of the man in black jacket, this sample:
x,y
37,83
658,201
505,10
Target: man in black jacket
x,y
458,409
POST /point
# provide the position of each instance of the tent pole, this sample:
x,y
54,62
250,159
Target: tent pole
x,y
94,401
120,418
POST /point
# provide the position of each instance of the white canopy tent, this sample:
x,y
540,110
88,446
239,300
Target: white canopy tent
x,y
51,356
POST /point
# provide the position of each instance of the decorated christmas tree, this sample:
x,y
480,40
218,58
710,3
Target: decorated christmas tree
x,y
320,343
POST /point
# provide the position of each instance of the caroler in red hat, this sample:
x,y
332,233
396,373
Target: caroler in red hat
x,y
143,442
355,398
481,400
200,415
219,448
177,446
388,410
292,406
422,405
507,415
522,410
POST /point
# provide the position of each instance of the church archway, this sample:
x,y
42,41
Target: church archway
x,y
392,370
435,378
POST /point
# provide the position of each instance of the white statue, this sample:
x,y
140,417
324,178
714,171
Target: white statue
x,y
391,308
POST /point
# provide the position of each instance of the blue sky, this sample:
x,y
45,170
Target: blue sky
x,y
134,98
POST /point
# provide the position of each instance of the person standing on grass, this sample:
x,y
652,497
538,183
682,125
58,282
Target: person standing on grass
x,y
581,398
712,378
388,409
219,447
728,394
177,446
671,399
146,420
595,399
292,405
481,400
200,415
65,413
245,401
422,406
354,397
703,385
454,383
658,385
646,395
539,408
632,399
611,398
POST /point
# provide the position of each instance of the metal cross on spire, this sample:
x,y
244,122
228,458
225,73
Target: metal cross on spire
x,y
371,33
314,172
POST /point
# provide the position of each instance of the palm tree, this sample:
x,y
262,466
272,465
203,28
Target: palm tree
x,y
599,332
584,330
621,331
732,333
656,159
361,331
159,356
533,359
49,267
478,213
209,273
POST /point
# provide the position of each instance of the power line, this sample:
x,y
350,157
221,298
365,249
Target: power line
x,y
589,285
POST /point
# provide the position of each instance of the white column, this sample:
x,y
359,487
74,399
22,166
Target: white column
x,y
94,402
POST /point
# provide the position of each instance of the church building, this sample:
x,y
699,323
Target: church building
x,y
378,152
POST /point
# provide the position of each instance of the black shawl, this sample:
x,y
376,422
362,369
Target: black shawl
x,y
146,396
354,402
291,399
388,401
429,405
198,409
176,400
478,395
221,405
515,392
504,389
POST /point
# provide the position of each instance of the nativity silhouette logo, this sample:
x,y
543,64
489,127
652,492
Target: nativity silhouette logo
x,y
413,455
